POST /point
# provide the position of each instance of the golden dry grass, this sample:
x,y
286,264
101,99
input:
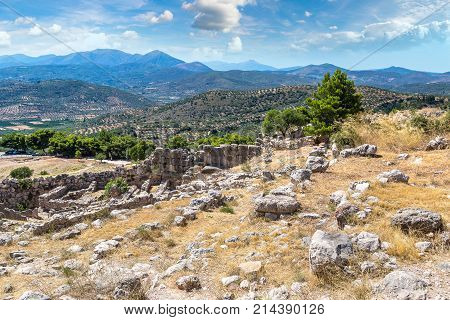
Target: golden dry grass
x,y
52,165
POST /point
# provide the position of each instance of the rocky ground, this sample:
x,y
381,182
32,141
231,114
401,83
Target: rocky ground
x,y
293,224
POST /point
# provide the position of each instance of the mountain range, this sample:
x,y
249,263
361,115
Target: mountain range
x,y
163,78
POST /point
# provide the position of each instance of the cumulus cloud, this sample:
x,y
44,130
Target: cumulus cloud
x,y
235,45
24,20
5,39
333,28
153,18
55,28
308,14
130,34
35,31
217,15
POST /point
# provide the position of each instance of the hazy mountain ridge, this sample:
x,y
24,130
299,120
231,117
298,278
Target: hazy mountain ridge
x,y
163,78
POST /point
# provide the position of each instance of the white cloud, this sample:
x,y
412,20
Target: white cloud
x,y
5,39
35,31
301,21
55,28
333,28
308,14
206,54
235,45
24,20
130,34
217,15
153,18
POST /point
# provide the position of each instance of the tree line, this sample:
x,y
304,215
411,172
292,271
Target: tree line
x,y
103,145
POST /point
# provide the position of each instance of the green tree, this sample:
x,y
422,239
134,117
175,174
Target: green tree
x,y
16,141
342,92
141,150
177,142
335,99
283,121
40,139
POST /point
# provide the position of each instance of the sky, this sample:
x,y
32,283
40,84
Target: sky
x,y
281,33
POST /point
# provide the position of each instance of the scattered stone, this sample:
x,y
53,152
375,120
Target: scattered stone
x,y
317,164
403,156
280,293
75,249
5,238
188,283
300,175
393,176
102,249
244,284
438,143
210,170
345,214
34,295
418,220
338,197
424,246
61,290
365,150
97,223
329,250
267,176
23,243
359,186
180,221
73,264
250,267
276,204
367,241
127,288
367,267
403,285
229,280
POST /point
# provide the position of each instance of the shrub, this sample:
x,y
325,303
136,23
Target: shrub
x,y
119,185
43,173
78,154
25,184
100,156
21,173
227,209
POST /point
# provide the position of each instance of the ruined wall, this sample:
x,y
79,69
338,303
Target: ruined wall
x,y
163,165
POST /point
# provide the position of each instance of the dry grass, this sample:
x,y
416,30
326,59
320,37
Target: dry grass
x,y
53,166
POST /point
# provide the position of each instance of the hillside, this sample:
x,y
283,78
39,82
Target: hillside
x,y
221,111
63,99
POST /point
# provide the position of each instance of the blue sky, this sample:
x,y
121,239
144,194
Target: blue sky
x,y
277,32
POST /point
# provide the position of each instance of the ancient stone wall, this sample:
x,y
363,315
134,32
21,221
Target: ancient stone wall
x,y
163,165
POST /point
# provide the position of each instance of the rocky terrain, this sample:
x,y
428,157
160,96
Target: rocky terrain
x,y
286,219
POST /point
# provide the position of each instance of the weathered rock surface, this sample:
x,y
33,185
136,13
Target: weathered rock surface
x,y
403,285
438,143
188,283
393,176
276,204
417,220
365,150
317,164
329,251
